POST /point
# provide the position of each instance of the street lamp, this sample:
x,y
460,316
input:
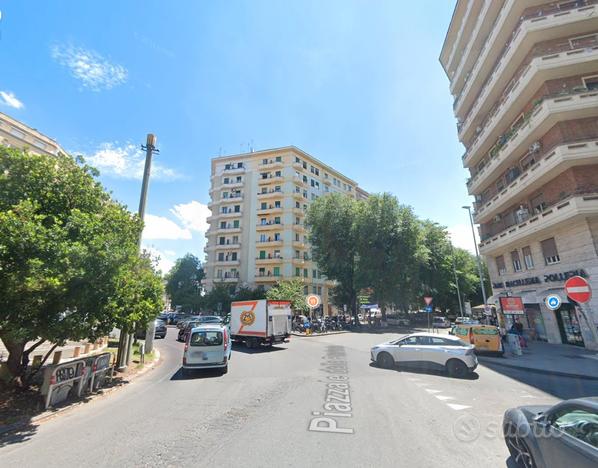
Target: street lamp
x,y
477,254
456,278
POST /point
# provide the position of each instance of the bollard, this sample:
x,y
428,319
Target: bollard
x,y
57,357
76,351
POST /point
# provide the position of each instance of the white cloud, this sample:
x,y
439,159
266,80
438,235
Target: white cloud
x,y
164,257
193,215
89,67
127,162
461,237
9,99
158,227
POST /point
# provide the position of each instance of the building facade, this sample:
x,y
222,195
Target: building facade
x,y
524,76
257,234
17,134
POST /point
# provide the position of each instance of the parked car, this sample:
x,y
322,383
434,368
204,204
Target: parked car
x,y
485,338
207,346
440,322
187,325
428,350
160,331
565,434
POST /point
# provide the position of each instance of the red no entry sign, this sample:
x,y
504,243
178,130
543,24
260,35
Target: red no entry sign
x,y
578,289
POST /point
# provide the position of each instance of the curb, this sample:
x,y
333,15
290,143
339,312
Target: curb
x,y
320,334
56,412
538,371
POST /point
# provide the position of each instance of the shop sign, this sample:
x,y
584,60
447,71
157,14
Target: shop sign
x,y
550,278
512,305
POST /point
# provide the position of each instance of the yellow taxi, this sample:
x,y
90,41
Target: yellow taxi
x,y
484,337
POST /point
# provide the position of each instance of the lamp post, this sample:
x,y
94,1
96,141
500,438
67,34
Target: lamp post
x,y
477,254
456,280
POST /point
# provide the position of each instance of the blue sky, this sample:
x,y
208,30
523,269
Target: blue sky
x,y
356,84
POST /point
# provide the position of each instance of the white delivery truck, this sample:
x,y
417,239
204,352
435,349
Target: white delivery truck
x,y
260,322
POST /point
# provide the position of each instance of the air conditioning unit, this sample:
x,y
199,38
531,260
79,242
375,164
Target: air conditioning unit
x,y
534,147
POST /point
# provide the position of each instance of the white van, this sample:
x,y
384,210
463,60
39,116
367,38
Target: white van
x,y
208,346
440,322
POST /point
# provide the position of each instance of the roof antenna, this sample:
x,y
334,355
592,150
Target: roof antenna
x,y
251,145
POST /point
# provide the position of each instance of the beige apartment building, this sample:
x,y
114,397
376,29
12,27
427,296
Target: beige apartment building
x,y
524,76
257,234
19,135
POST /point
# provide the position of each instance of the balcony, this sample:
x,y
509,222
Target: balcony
x,y
300,227
270,259
228,277
563,211
270,164
268,226
537,121
234,169
562,61
270,180
269,242
269,194
272,209
226,262
548,23
267,277
226,245
548,166
229,229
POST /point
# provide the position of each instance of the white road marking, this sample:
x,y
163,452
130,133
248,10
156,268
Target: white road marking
x,y
457,407
432,391
444,397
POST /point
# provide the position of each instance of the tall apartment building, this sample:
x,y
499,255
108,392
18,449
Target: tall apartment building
x,y
257,233
19,135
524,76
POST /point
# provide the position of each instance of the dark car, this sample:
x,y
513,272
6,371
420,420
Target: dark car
x,y
160,331
190,324
565,434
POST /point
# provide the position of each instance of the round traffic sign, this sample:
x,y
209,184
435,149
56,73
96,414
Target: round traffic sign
x,y
578,289
553,301
313,301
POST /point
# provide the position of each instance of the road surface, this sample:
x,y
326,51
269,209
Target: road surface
x,y
261,413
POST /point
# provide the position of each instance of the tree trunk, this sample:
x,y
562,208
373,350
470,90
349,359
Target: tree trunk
x,y
15,357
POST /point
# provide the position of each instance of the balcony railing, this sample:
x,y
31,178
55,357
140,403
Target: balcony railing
x,y
269,192
268,274
270,162
512,86
513,131
269,239
228,275
270,223
270,257
234,167
533,17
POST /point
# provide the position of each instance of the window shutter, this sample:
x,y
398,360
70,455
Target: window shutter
x,y
549,248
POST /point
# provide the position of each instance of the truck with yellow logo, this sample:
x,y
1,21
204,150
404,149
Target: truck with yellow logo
x,y
260,322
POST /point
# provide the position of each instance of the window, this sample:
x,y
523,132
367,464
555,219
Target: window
x,y
278,174
278,159
276,271
305,179
591,82
320,290
233,256
304,165
221,241
264,190
237,208
297,220
236,223
221,257
277,204
297,254
226,180
317,171
264,206
313,183
264,161
588,40
516,261
297,271
235,239
261,272
222,224
262,237
219,274
239,179
527,258
550,252
297,160
305,290
314,274
277,236
305,275
297,205
314,289
296,237
262,254
277,220
578,423
500,265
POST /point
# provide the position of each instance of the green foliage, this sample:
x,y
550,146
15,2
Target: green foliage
x,y
183,283
289,291
69,263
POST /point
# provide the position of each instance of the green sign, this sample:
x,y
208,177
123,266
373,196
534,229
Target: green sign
x,y
363,299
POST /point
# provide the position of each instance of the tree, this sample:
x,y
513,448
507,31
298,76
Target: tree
x,y
248,294
333,237
183,283
292,291
219,298
69,263
388,248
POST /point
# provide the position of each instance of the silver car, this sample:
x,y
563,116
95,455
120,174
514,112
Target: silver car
x,y
428,350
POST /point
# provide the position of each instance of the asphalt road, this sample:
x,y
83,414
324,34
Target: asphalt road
x,y
261,412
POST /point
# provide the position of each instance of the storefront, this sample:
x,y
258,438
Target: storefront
x,y
534,322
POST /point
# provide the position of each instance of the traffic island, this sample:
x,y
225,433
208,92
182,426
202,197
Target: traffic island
x,y
21,410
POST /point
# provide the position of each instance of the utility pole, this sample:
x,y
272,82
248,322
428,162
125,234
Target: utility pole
x,y
126,338
477,254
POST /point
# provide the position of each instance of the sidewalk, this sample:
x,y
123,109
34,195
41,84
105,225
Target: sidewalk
x,y
555,359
